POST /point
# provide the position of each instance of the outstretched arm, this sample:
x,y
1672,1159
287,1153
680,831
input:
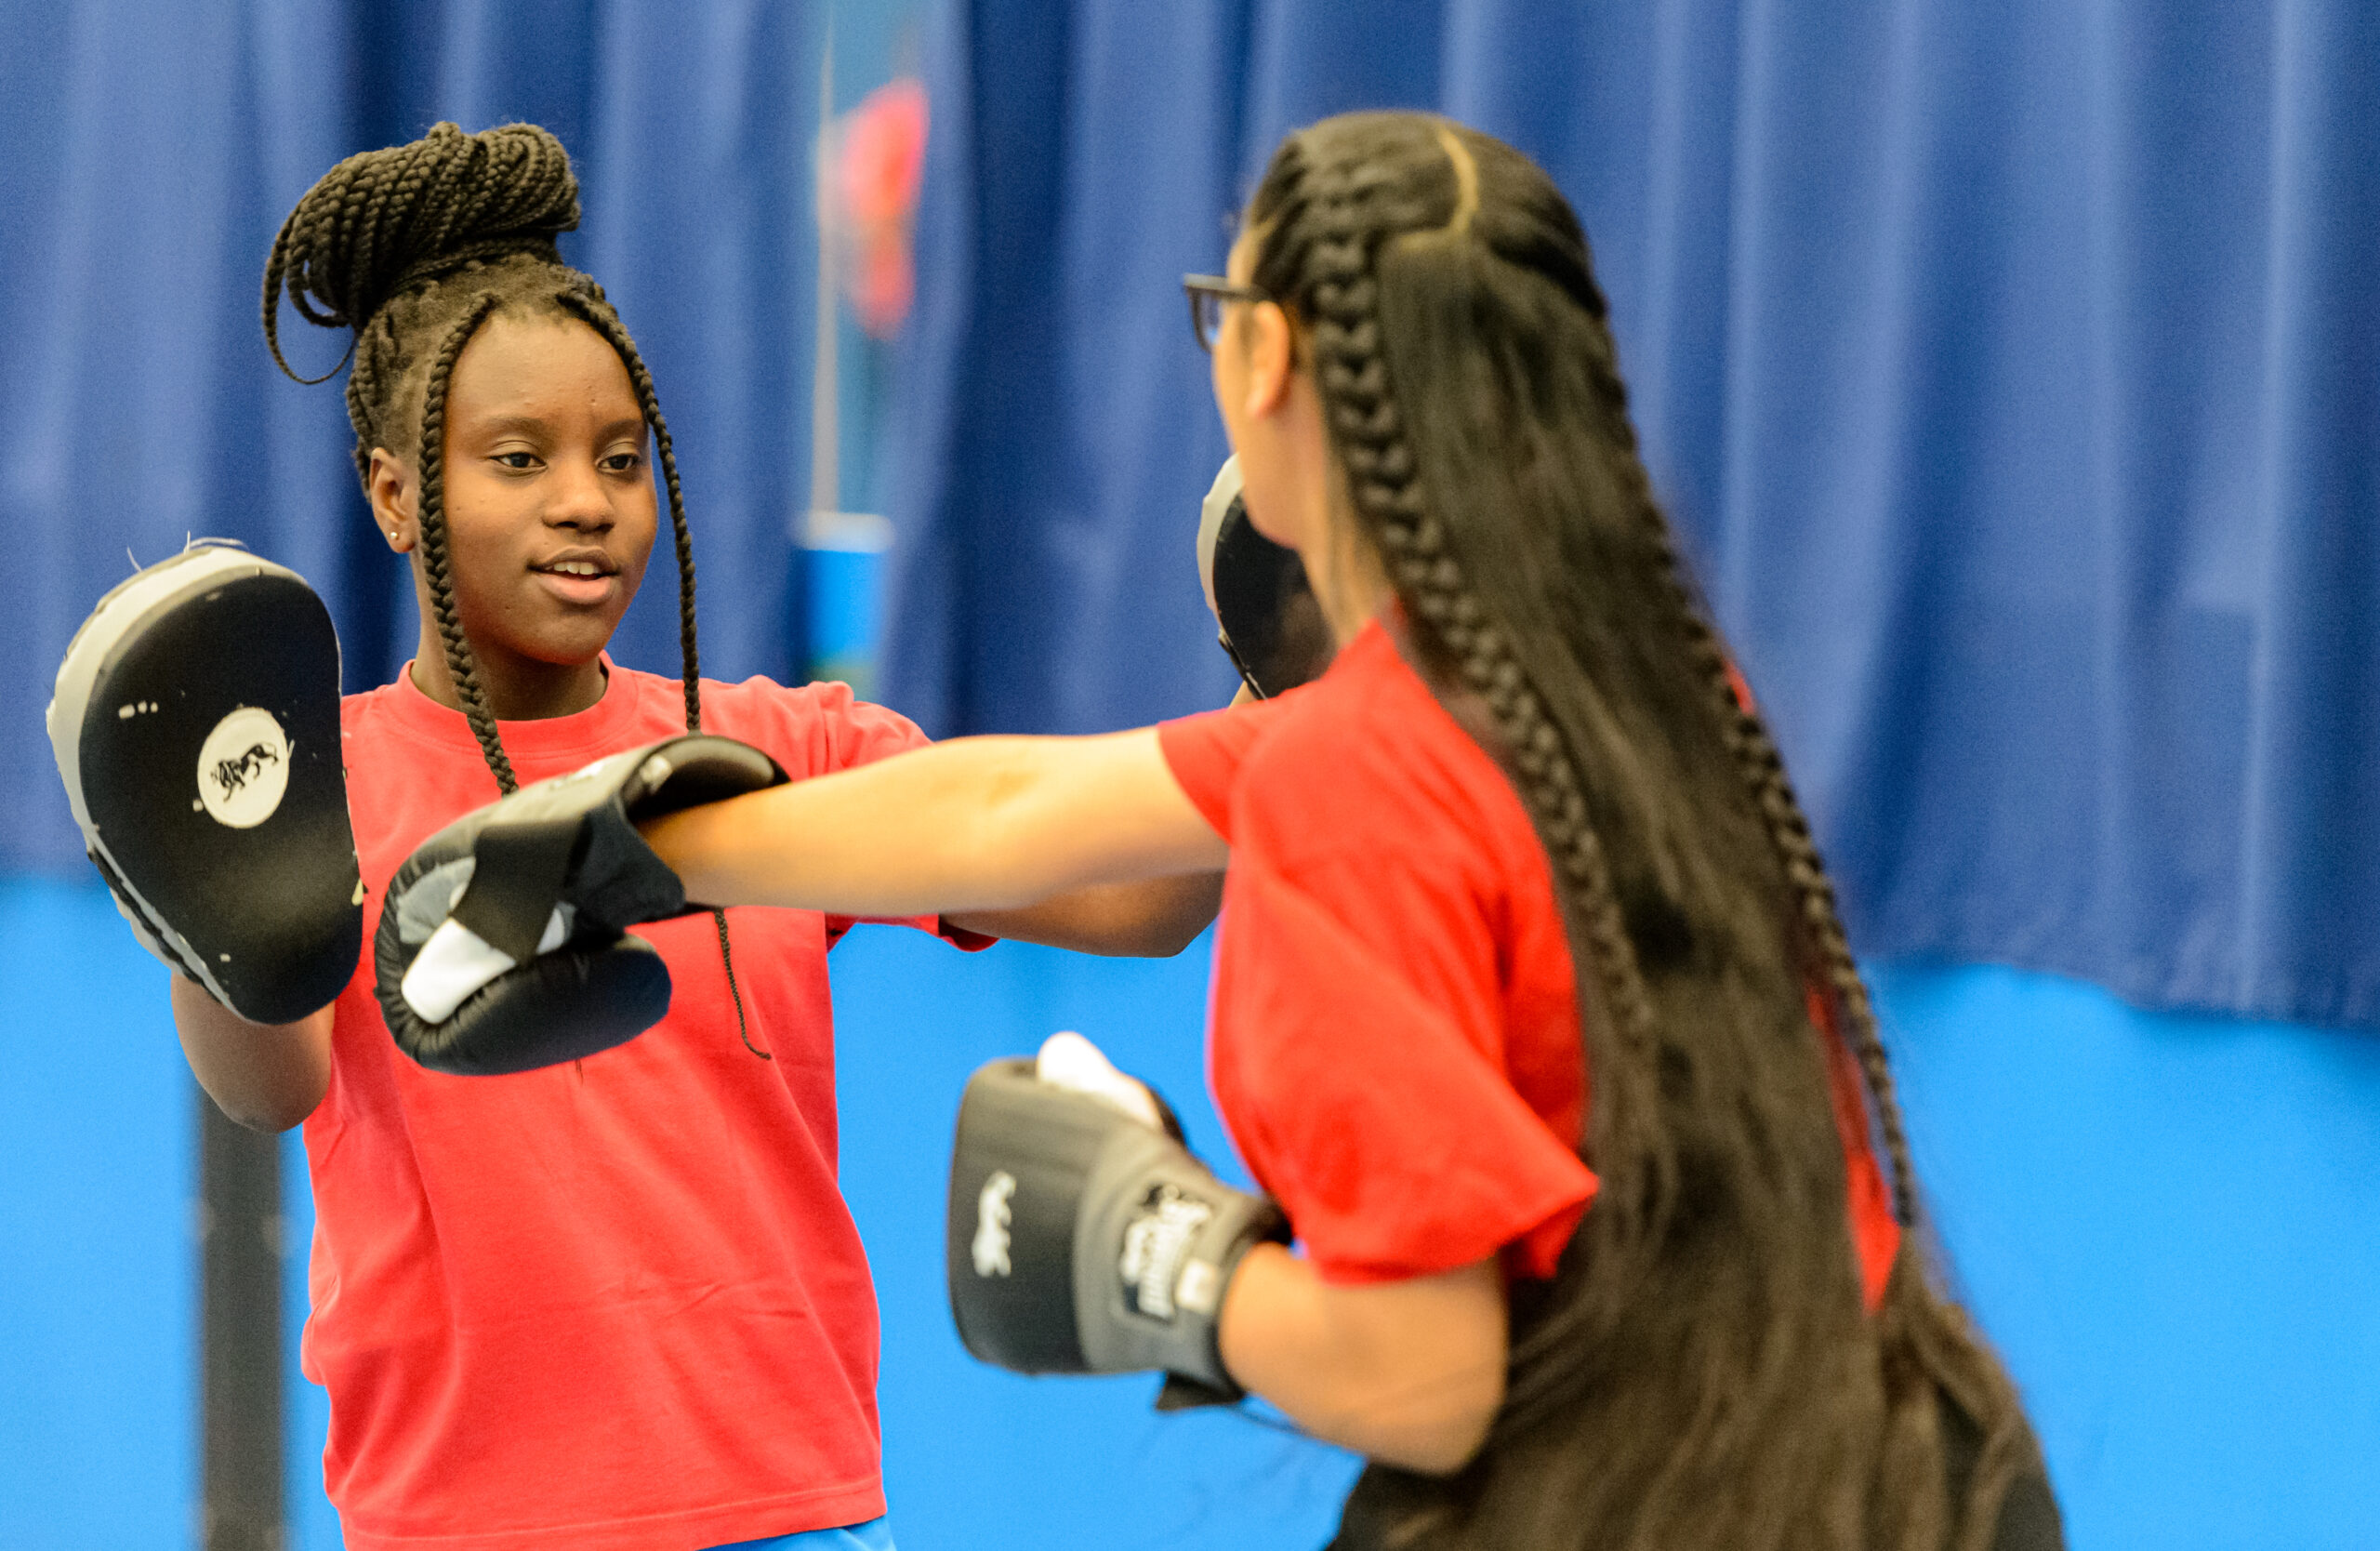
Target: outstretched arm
x,y
1155,917
964,829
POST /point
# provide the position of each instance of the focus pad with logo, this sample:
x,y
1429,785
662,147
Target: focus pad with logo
x,y
196,723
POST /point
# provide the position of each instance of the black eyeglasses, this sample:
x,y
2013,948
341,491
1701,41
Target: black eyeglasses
x,y
1207,293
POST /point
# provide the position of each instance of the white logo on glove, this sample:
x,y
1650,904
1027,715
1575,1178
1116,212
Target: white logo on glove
x,y
1154,1242
243,768
991,1225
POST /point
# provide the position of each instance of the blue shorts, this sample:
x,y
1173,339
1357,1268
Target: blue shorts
x,y
874,1535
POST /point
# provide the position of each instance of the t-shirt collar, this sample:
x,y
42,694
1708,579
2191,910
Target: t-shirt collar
x,y
602,728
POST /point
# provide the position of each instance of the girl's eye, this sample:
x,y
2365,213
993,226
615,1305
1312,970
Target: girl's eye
x,y
517,459
622,463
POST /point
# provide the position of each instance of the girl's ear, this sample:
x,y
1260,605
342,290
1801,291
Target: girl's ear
x,y
1272,358
389,487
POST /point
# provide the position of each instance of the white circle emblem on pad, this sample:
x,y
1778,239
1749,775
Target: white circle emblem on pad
x,y
243,768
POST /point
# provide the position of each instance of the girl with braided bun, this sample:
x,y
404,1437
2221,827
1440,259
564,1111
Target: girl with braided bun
x,y
1531,1010
616,1303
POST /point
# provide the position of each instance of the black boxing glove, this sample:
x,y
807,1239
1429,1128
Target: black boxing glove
x,y
1082,1235
502,944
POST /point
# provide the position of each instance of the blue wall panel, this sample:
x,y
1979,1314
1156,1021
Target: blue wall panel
x,y
2165,1222
98,1296
2168,1225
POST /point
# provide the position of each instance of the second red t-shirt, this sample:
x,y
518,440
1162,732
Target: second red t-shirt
x,y
1396,1038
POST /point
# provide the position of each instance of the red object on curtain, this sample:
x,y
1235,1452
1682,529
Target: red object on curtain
x,y
878,164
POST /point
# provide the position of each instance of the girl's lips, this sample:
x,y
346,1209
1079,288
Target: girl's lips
x,y
582,592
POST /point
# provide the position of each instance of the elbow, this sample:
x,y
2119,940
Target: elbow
x,y
1441,1438
269,1107
1174,911
1163,939
1446,1450
265,1118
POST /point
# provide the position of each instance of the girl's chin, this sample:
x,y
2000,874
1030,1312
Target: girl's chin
x,y
561,646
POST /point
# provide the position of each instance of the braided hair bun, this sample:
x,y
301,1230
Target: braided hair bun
x,y
414,248
383,221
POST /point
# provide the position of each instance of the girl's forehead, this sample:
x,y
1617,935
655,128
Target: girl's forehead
x,y
515,358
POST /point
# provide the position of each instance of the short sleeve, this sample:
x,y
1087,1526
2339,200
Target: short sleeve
x,y
1367,1060
851,733
1205,753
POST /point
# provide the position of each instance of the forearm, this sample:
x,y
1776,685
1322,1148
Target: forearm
x,y
1155,917
1410,1371
267,1077
972,824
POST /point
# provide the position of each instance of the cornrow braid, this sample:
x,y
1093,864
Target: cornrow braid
x,y
1369,433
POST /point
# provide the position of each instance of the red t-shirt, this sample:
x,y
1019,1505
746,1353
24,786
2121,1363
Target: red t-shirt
x,y
617,1303
1395,1035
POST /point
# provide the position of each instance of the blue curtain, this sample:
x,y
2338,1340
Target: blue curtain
x,y
152,154
2013,371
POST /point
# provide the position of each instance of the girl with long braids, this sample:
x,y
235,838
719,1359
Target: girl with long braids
x,y
1532,1010
618,1302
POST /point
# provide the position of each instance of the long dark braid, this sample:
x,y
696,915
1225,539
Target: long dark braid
x,y
461,665
605,321
1928,1341
1369,433
1700,1374
424,243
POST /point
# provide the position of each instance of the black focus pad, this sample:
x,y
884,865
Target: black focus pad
x,y
1018,1169
1266,616
196,724
1270,622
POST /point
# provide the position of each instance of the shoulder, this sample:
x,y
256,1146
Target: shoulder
x,y
1206,751
359,712
1372,759
810,728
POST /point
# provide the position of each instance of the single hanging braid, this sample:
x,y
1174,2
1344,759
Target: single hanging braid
x,y
605,321
460,664
1763,773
